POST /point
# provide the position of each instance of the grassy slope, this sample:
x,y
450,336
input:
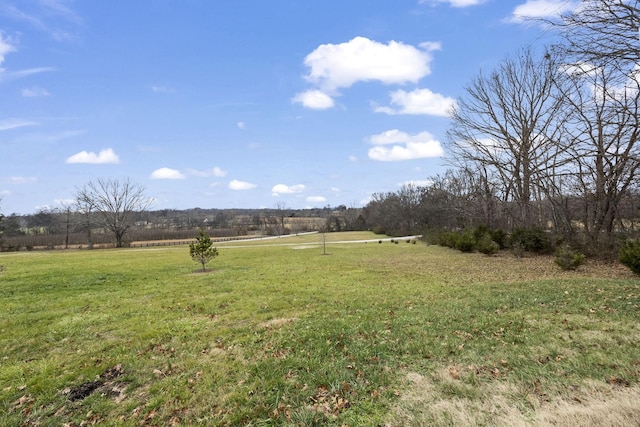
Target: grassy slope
x,y
371,334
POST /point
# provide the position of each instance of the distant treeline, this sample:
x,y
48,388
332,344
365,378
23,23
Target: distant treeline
x,y
59,228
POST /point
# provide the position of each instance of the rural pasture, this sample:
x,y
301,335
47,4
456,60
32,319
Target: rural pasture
x,y
371,334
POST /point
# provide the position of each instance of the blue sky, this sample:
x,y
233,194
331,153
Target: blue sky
x,y
245,104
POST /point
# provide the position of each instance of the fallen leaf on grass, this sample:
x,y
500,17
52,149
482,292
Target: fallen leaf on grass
x,y
453,372
327,403
22,401
618,382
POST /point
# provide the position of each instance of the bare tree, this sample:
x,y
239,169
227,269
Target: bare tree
x,y
603,31
281,209
409,204
461,198
507,126
66,211
603,129
115,202
85,205
351,215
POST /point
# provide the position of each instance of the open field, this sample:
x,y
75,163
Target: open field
x,y
371,334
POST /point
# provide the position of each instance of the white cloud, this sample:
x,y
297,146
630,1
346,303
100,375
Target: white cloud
x,y
353,159
6,47
104,157
35,92
50,17
59,8
14,75
241,185
314,99
454,3
536,9
417,183
64,202
29,72
419,101
162,89
219,172
9,124
166,173
316,199
241,125
404,146
52,137
23,179
580,69
216,171
389,137
335,66
287,189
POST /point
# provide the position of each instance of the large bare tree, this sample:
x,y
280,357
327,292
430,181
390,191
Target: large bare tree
x,y
601,47
115,202
85,204
506,125
602,130
603,32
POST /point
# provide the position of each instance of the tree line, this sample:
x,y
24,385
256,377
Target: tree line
x,y
113,213
548,139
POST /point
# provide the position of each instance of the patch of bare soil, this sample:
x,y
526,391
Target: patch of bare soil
x,y
105,384
445,399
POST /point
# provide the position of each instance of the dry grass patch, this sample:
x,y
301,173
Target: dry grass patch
x,y
455,396
276,323
481,268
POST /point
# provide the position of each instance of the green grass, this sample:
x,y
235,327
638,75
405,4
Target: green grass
x,y
372,334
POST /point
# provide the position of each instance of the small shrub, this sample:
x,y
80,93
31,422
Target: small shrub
x,y
447,239
413,241
629,255
430,236
379,241
202,249
466,242
533,240
500,237
487,245
569,259
479,232
377,229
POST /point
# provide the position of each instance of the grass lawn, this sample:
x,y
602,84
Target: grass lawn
x,y
371,334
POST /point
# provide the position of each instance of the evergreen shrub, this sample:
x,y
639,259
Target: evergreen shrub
x,y
487,245
629,255
533,240
569,259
